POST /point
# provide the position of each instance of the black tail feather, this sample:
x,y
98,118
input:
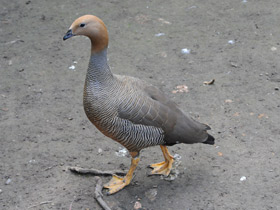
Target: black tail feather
x,y
210,140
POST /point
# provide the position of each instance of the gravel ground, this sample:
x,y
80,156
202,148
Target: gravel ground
x,y
44,129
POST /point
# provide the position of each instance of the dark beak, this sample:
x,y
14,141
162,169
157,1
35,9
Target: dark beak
x,y
68,34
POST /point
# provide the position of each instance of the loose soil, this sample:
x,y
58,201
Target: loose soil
x,y
44,129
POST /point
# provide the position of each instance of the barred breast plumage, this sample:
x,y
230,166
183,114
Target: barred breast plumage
x,y
106,94
130,111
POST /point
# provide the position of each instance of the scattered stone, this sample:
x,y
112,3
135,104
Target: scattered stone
x,y
43,17
235,65
159,34
177,157
185,51
100,150
8,181
228,101
273,48
276,88
122,152
243,178
137,205
1,191
72,67
231,41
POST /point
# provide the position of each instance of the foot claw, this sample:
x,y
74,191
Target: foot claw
x,y
116,180
115,184
162,168
156,165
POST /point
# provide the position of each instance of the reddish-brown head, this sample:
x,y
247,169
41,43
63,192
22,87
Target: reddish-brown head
x,y
92,27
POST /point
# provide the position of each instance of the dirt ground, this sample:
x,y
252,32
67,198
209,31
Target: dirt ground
x,y
44,129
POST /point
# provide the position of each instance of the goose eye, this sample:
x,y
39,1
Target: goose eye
x,y
82,25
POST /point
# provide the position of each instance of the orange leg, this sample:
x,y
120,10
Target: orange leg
x,y
117,183
164,167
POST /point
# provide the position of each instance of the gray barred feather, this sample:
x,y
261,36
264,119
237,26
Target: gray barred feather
x,y
104,93
134,113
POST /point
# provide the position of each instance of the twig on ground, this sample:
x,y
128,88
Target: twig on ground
x,y
50,167
98,194
94,171
42,203
70,207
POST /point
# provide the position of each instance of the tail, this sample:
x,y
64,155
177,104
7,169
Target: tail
x,y
210,140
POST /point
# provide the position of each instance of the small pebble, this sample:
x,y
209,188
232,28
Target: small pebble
x,y
185,51
1,190
231,41
137,205
228,101
276,88
100,150
72,67
177,157
159,34
122,152
273,48
243,178
8,181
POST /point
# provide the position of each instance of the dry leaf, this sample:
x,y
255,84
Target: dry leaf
x,y
220,154
164,21
209,83
181,89
261,116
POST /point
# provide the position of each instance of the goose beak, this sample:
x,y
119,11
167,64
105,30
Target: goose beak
x,y
68,35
